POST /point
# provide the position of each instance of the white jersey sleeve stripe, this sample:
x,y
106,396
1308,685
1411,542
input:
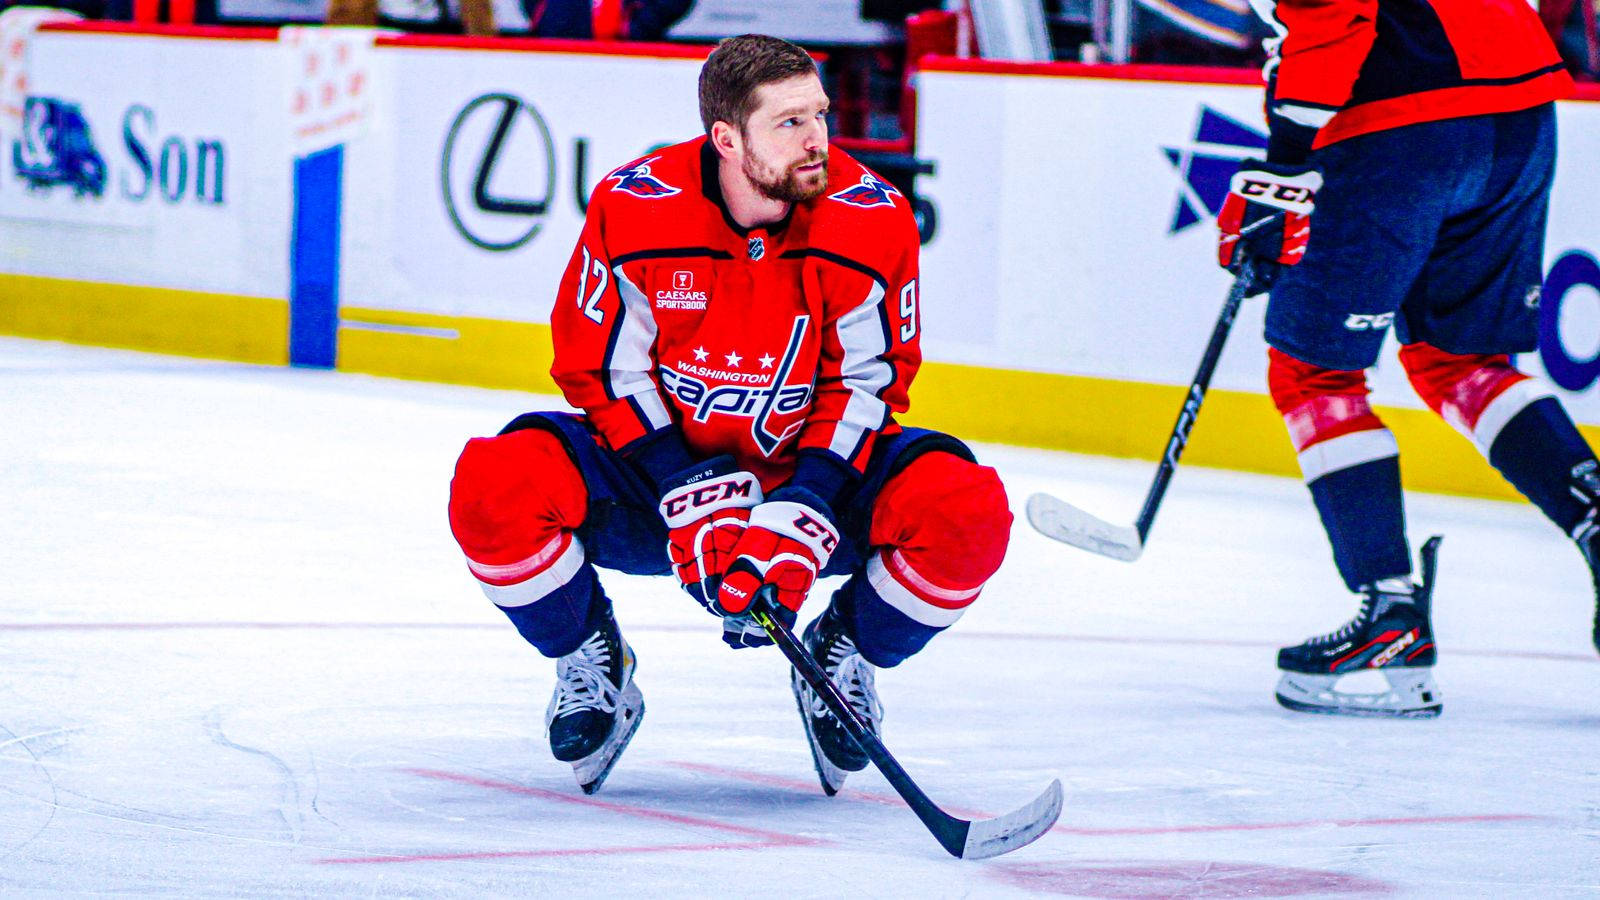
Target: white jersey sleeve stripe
x,y
863,336
628,362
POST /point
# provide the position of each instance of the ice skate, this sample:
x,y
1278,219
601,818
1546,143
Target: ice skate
x,y
1586,487
1588,539
833,751
596,706
1391,636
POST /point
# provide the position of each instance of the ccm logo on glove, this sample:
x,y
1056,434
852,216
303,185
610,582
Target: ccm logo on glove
x,y
741,486
1300,198
824,537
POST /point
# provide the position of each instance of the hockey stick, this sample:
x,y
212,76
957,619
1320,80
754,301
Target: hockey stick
x,y
1061,520
964,839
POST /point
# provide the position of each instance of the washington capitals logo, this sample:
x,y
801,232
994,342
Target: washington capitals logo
x,y
867,194
1207,163
637,180
762,399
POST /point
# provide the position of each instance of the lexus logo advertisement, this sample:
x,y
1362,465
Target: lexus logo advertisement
x,y
498,173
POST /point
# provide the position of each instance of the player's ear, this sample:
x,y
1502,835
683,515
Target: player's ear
x,y
726,140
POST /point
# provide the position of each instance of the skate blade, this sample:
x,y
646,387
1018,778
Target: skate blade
x,y
1411,695
830,776
591,771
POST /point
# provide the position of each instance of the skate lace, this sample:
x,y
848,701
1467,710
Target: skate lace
x,y
1369,600
583,679
854,678
1351,627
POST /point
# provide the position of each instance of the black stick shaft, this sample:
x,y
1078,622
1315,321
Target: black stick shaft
x,y
948,830
1179,438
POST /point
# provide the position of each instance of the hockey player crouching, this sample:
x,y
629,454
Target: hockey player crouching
x,y
739,325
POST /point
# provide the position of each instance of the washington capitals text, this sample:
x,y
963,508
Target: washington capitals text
x,y
757,402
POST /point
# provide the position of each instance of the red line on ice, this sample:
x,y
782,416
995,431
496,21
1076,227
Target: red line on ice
x,y
640,811
763,839
534,854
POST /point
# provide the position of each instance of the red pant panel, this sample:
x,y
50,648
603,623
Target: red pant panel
x,y
948,517
512,494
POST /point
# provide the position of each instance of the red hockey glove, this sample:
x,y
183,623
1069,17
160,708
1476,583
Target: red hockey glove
x,y
1267,219
705,515
786,545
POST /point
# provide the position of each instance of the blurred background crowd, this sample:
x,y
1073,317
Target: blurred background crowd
x,y
870,46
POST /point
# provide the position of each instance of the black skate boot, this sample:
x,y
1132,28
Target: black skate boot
x,y
1586,487
1391,634
596,706
834,752
1588,540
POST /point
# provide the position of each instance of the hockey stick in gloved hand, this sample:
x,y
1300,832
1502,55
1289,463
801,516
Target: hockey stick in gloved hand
x,y
964,839
1061,520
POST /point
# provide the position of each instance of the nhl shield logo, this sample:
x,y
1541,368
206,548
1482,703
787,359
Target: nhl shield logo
x,y
757,248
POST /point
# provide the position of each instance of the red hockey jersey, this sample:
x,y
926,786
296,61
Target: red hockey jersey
x,y
1353,67
759,343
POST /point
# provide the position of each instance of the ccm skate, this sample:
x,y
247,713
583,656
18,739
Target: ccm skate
x,y
1391,635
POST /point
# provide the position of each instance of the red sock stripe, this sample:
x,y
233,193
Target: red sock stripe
x,y
521,570
1328,416
898,585
1466,400
927,591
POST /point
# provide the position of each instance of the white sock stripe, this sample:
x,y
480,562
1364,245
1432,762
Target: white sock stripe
x,y
913,579
1505,407
901,598
530,590
1345,451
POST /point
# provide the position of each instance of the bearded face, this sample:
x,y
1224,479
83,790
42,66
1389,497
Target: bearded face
x,y
783,144
788,180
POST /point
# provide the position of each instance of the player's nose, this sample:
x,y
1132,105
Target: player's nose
x,y
817,134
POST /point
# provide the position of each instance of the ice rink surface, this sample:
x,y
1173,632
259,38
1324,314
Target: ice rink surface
x,y
240,656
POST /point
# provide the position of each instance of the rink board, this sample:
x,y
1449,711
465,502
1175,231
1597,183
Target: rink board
x,y
1068,288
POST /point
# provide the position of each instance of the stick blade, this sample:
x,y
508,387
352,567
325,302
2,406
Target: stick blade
x,y
1058,519
1018,828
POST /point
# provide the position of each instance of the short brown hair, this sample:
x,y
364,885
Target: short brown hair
x,y
738,66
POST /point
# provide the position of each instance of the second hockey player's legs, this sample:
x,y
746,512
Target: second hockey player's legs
x,y
1351,465
1476,301
1521,428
